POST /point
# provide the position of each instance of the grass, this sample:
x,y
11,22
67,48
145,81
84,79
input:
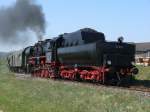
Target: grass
x,y
144,73
33,95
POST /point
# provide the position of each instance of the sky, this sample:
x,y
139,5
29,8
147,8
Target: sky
x,y
127,18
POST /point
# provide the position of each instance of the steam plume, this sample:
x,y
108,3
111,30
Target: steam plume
x,y
23,16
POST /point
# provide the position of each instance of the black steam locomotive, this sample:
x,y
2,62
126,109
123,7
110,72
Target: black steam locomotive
x,y
81,55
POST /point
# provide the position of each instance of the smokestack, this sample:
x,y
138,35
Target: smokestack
x,y
23,16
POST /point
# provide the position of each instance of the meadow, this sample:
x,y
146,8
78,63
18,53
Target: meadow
x,y
40,95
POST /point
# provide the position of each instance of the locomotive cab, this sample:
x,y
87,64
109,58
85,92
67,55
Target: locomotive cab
x,y
48,48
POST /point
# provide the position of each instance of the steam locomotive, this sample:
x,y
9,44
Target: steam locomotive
x,y
83,55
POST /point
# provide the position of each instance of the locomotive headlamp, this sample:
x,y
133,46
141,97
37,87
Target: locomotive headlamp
x,y
133,63
109,62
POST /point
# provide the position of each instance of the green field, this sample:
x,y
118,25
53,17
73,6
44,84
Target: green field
x,y
37,95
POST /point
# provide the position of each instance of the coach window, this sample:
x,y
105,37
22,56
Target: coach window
x,y
19,56
11,60
71,44
76,43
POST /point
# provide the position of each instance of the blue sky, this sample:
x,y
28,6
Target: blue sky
x,y
127,18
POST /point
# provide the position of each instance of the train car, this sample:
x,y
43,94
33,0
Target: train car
x,y
27,53
18,60
15,61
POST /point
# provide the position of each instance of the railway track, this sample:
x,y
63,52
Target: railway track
x,y
134,87
145,91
